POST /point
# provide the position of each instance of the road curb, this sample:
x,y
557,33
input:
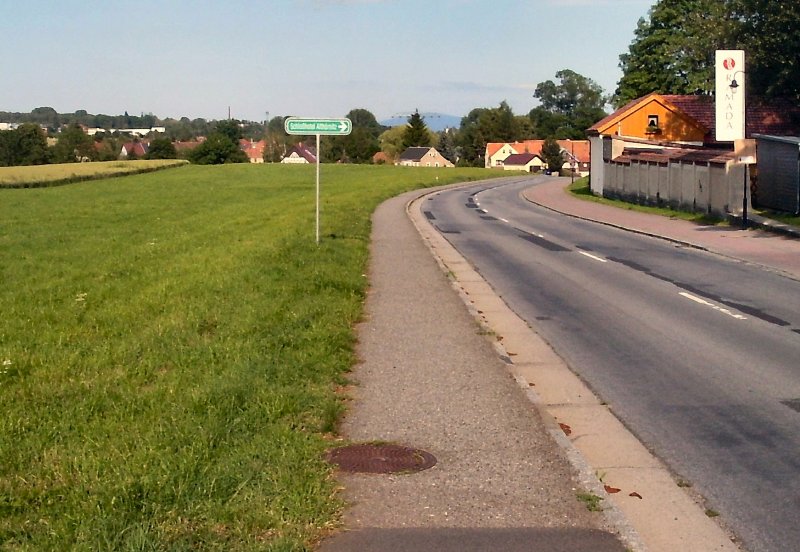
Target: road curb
x,y
765,226
670,519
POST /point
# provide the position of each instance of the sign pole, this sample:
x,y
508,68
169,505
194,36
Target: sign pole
x,y
318,156
317,127
744,199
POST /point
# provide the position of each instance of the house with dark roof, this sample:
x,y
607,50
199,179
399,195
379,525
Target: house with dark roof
x,y
576,154
300,154
423,157
528,162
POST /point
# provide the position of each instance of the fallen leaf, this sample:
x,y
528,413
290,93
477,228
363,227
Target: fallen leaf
x,y
611,490
566,429
636,495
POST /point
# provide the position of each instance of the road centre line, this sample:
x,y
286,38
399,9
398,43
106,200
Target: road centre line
x,y
596,258
701,301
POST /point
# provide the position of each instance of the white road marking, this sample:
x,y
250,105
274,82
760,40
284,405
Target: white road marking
x,y
596,258
702,301
504,220
483,211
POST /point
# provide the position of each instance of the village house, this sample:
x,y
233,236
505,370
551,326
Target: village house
x,y
253,149
677,133
300,154
135,150
576,155
423,157
528,162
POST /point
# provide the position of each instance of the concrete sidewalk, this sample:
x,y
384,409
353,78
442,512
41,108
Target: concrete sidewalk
x,y
447,367
429,379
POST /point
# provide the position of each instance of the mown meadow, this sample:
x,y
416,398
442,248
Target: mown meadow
x,y
170,351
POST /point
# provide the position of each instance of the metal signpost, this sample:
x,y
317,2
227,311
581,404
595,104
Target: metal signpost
x,y
317,127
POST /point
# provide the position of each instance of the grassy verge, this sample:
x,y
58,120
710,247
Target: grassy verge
x,y
170,351
580,188
54,175
781,217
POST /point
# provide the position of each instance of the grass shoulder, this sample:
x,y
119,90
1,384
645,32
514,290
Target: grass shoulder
x,y
793,220
580,188
172,352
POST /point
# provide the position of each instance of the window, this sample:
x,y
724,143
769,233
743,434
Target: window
x,y
652,125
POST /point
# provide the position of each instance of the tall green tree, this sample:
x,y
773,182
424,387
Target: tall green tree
x,y
484,125
73,146
230,128
446,145
217,149
472,138
278,143
568,107
769,32
25,145
360,145
551,154
416,133
161,148
673,48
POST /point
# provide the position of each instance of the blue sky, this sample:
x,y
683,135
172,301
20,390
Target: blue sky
x,y
309,58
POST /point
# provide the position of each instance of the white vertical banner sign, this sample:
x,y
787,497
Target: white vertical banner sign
x,y
730,95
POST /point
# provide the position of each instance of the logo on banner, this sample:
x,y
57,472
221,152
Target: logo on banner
x,y
729,64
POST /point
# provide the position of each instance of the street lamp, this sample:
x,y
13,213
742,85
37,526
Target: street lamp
x,y
733,86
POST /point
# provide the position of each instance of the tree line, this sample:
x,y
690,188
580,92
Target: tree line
x,y
673,48
672,53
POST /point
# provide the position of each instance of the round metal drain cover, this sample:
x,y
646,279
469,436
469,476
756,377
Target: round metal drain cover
x,y
368,458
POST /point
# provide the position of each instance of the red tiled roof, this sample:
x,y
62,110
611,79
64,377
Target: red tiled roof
x,y
186,146
705,155
580,147
778,117
627,107
493,147
139,149
254,150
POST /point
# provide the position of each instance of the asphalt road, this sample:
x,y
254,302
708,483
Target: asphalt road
x,y
697,354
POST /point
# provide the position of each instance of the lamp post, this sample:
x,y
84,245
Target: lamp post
x,y
734,86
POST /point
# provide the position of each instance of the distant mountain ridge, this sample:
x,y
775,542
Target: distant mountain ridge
x,y
434,121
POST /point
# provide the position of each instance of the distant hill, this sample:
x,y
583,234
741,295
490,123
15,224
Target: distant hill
x,y
435,121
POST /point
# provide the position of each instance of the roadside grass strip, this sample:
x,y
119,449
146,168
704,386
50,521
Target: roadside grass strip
x,y
170,352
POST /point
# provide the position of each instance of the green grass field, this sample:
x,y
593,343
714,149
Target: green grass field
x,y
170,353
49,175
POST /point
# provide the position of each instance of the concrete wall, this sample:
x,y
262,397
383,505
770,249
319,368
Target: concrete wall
x,y
712,188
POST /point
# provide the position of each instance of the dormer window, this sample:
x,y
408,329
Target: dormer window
x,y
652,125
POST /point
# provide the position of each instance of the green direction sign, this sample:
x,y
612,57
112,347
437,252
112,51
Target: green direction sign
x,y
331,127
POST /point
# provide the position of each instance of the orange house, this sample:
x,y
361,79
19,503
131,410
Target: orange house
x,y
653,117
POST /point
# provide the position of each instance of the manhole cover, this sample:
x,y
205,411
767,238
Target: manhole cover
x,y
368,458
